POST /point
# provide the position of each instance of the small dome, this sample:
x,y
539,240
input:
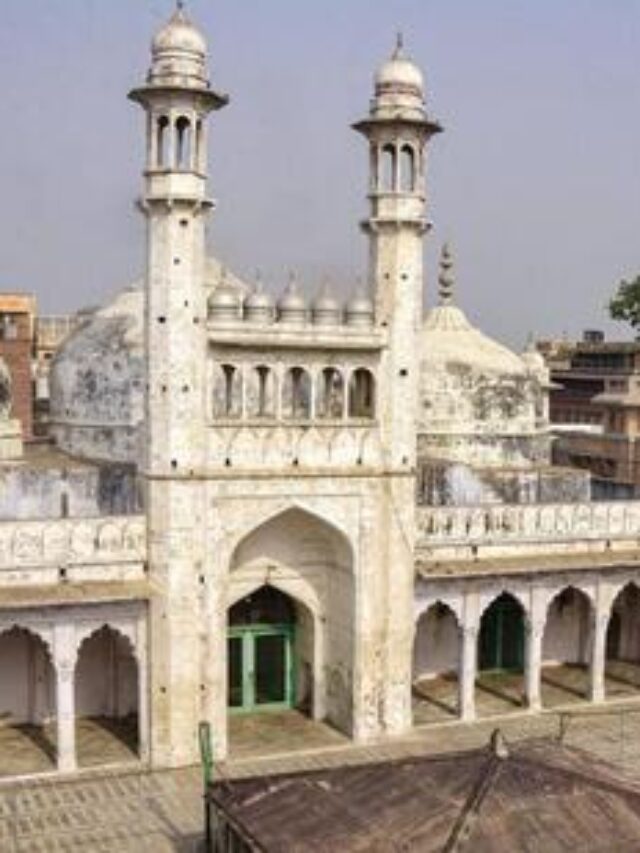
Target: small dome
x,y
359,310
292,306
179,35
326,308
534,360
179,54
399,75
224,303
449,338
259,305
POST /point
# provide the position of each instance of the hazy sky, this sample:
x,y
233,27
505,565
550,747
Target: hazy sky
x,y
536,180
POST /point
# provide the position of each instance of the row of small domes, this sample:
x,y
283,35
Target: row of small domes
x,y
226,305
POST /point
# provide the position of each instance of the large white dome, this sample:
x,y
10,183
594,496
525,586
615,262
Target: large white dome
x,y
479,402
98,375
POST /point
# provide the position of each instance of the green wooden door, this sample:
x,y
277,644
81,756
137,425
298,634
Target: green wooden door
x,y
260,668
501,644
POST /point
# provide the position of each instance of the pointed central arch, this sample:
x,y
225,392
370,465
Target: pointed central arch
x,y
303,556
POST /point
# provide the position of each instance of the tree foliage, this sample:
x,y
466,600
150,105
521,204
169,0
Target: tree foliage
x,y
625,304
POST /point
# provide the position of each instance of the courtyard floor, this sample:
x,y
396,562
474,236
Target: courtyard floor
x,y
130,810
32,749
135,811
435,700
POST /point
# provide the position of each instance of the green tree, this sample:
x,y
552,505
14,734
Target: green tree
x,y
625,304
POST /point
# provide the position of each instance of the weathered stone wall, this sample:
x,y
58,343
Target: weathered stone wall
x,y
451,484
68,490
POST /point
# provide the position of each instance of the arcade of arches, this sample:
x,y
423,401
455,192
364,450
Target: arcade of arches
x,y
501,662
69,703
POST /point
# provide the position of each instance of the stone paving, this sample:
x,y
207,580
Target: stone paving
x,y
32,749
129,810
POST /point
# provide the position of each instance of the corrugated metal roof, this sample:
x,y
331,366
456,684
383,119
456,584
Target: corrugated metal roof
x,y
539,796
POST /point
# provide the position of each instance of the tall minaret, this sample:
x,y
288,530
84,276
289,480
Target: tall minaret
x,y
177,99
397,129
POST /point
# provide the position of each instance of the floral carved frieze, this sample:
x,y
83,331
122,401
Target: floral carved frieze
x,y
69,541
549,522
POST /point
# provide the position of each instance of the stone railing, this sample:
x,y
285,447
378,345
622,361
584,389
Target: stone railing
x,y
544,523
118,539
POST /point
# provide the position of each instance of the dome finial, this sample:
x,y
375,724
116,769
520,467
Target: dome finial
x,y
446,279
399,49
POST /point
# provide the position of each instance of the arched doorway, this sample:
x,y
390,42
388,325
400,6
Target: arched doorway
x,y
436,655
500,678
308,561
27,704
106,689
501,640
566,648
622,669
261,646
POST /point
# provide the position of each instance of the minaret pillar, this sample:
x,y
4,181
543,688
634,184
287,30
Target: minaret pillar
x,y
177,98
397,129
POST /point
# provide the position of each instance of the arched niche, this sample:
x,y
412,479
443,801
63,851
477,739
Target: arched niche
x,y
107,694
309,560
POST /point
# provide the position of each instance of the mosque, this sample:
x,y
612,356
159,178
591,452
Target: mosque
x,y
255,504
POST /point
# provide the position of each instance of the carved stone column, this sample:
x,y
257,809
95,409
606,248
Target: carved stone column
x,y
533,664
467,673
598,657
65,655
143,692
66,717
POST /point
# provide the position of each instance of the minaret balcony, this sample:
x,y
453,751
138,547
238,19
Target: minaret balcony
x,y
175,184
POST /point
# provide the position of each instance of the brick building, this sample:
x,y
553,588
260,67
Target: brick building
x,y
595,409
17,326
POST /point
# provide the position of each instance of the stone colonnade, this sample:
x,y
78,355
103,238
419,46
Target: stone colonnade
x,y
469,600
63,630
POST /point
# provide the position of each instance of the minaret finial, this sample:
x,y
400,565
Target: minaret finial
x,y
446,279
180,5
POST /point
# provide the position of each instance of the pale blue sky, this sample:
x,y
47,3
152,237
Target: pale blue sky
x,y
536,181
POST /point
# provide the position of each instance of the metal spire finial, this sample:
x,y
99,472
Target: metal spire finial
x,y
446,279
397,53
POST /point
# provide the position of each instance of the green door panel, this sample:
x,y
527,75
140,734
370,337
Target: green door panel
x,y
261,667
501,642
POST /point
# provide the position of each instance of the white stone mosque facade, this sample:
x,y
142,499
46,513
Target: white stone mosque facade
x,y
255,504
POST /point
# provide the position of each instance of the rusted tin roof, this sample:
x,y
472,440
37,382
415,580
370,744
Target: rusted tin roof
x,y
538,796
